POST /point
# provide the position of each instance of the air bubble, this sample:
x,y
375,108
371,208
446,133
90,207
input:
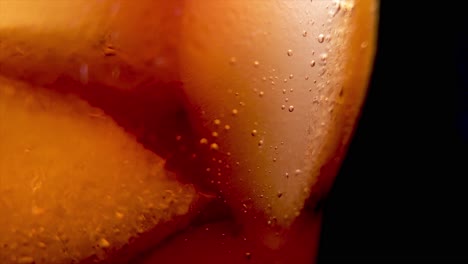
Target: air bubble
x,y
291,76
304,33
235,111
227,127
256,63
312,63
260,143
254,132
217,122
291,108
261,94
283,107
290,52
203,141
214,134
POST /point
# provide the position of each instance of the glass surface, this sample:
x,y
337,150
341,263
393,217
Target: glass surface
x,y
175,131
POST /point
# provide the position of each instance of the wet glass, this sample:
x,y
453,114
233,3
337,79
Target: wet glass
x,y
175,131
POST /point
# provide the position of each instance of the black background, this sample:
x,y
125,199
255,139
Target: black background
x,y
401,192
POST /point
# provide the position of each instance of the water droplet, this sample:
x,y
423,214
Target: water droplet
x,y
291,76
304,33
119,215
109,51
235,112
290,52
203,141
291,108
261,94
328,38
103,243
254,132
84,73
214,146
217,122
287,175
291,90
324,57
232,60
286,99
284,91
178,137
256,63
248,255
260,143
321,38
214,134
41,244
335,8
297,172
25,260
312,63
280,194
227,127
283,107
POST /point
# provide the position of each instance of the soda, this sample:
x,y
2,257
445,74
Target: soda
x,y
174,131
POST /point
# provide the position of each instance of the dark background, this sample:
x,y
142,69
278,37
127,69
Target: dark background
x,y
401,193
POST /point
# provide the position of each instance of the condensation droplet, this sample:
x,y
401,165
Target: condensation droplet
x,y
103,243
324,57
25,260
84,73
233,60
321,38
254,132
291,108
214,146
203,141
290,52
335,8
